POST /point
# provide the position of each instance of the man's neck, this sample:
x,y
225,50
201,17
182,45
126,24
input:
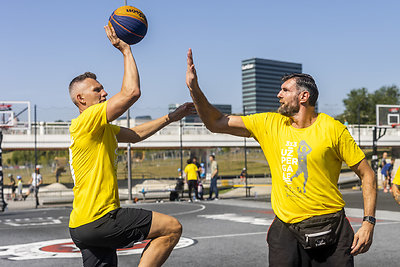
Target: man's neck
x,y
304,118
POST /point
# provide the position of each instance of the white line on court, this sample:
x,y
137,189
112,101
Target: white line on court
x,y
230,235
377,224
202,207
380,214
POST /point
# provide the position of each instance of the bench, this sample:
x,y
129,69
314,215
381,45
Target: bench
x,y
248,188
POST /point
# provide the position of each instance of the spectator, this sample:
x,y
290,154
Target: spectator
x,y
382,163
12,184
214,177
20,185
35,181
387,174
191,179
243,176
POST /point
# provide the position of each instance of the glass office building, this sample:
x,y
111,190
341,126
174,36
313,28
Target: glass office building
x,y
261,82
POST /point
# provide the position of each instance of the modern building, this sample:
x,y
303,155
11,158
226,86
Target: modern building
x,y
261,81
225,109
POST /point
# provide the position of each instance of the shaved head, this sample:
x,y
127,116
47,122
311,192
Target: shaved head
x,y
73,88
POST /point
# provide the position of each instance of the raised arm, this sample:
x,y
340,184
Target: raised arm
x,y
130,90
143,131
363,237
214,120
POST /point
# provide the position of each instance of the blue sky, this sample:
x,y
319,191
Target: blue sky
x,y
343,44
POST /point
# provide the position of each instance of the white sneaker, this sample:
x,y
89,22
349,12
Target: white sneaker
x,y
216,198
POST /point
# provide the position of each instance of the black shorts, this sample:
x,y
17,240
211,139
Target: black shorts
x,y
286,251
120,228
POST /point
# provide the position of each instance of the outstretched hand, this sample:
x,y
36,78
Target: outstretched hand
x,y
115,41
191,76
182,111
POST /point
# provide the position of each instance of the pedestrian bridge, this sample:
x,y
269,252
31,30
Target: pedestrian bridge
x,y
55,135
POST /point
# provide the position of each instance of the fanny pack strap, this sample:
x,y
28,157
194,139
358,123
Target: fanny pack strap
x,y
318,231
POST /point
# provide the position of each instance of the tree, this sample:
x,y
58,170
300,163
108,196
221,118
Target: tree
x,y
360,101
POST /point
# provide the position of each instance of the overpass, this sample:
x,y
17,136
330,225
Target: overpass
x,y
55,135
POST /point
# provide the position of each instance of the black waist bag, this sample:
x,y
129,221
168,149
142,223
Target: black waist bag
x,y
318,231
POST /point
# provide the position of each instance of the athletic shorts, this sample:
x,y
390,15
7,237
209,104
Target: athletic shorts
x,y
120,228
286,251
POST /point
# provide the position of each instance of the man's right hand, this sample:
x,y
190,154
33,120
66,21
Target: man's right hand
x,y
191,76
115,41
130,90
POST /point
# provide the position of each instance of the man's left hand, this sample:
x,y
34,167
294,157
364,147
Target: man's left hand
x,y
362,239
182,111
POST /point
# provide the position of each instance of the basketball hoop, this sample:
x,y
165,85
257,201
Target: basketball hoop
x,y
395,125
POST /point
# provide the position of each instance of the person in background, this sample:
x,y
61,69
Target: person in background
x,y
191,179
243,176
382,163
214,177
13,186
35,182
387,174
20,186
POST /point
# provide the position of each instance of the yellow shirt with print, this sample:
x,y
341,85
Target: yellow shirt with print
x,y
305,163
93,161
191,171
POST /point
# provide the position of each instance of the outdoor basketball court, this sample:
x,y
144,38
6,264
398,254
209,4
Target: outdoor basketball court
x,y
228,232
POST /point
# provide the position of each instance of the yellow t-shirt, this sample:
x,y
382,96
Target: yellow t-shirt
x,y
93,161
396,179
305,163
191,171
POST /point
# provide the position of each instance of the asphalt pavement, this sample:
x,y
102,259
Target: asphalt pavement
x,y
227,232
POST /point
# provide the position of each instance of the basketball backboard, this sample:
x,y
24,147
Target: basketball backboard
x,y
15,114
387,115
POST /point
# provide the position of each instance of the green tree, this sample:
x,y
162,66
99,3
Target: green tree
x,y
359,100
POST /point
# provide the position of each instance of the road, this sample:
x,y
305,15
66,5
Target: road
x,y
228,232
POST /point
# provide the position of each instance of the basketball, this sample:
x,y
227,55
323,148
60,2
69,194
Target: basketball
x,y
129,23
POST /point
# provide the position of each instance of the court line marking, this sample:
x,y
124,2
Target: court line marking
x,y
259,233
229,235
202,207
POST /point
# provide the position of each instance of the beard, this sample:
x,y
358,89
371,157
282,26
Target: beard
x,y
289,110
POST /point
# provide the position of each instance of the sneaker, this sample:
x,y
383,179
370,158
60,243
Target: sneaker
x,y
216,198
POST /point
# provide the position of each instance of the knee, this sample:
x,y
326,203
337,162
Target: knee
x,y
176,228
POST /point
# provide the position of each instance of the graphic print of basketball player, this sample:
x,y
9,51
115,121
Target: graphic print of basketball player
x,y
302,152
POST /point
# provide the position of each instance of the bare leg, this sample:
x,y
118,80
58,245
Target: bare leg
x,y
164,233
